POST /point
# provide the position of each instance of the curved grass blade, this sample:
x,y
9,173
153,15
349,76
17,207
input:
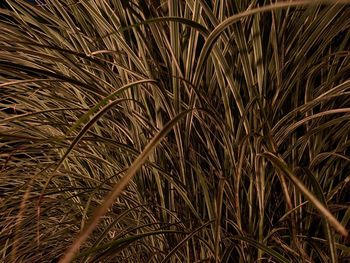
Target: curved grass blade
x,y
263,247
214,35
280,164
166,259
119,187
83,119
328,231
124,241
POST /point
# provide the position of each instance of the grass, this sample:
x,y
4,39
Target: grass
x,y
174,131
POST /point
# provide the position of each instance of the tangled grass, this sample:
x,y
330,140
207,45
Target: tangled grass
x,y
174,131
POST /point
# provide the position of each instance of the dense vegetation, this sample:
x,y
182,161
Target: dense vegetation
x,y
174,131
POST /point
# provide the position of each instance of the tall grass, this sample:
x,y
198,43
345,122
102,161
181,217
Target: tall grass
x,y
174,131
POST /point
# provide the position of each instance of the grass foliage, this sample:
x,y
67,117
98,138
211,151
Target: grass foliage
x,y
174,131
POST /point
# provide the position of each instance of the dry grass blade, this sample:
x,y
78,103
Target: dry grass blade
x,y
153,131
119,187
280,164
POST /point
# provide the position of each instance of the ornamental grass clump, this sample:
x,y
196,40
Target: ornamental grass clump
x,y
174,131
